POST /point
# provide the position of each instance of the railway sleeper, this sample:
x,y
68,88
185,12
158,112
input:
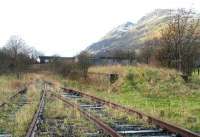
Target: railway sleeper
x,y
71,96
139,130
143,131
74,93
92,106
127,127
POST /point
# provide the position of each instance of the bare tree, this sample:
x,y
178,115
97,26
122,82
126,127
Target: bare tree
x,y
84,62
146,54
148,51
16,56
180,41
117,54
4,60
131,56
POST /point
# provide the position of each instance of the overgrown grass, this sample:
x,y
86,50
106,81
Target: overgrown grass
x,y
10,83
109,69
55,109
16,118
24,116
157,91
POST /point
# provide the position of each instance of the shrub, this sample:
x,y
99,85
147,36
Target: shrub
x,y
154,82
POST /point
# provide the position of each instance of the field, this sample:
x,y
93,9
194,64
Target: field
x,y
157,91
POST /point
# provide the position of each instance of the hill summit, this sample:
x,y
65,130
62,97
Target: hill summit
x,y
131,36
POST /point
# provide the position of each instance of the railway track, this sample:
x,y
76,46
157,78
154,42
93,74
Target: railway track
x,y
35,128
94,110
37,117
68,125
7,114
101,124
163,129
18,92
123,127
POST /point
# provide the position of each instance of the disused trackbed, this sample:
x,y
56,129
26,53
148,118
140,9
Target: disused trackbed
x,y
90,117
32,127
162,124
19,91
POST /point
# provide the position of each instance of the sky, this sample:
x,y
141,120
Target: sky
x,y
66,27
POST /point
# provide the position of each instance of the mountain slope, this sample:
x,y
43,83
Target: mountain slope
x,y
132,36
111,40
119,31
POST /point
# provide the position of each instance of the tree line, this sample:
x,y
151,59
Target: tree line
x,y
180,42
16,56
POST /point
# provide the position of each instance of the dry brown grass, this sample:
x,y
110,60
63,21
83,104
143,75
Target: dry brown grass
x,y
122,70
15,84
109,69
9,84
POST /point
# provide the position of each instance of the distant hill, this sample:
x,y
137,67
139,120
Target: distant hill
x,y
132,36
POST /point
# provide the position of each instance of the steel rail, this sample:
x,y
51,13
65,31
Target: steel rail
x,y
162,124
90,117
33,127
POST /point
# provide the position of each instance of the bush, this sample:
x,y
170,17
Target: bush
x,y
84,62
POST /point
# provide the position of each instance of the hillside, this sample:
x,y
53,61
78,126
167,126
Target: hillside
x,y
132,36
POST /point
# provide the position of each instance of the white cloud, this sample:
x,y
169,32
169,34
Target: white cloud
x,y
66,27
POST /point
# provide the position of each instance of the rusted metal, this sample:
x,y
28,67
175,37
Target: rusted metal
x,y
33,127
19,91
162,124
90,117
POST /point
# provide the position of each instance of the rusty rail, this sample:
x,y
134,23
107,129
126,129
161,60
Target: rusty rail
x,y
19,91
162,124
90,117
33,127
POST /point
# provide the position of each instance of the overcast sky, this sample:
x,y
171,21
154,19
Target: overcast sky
x,y
65,27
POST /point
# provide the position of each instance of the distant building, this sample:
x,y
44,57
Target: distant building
x,y
111,61
49,59
94,60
